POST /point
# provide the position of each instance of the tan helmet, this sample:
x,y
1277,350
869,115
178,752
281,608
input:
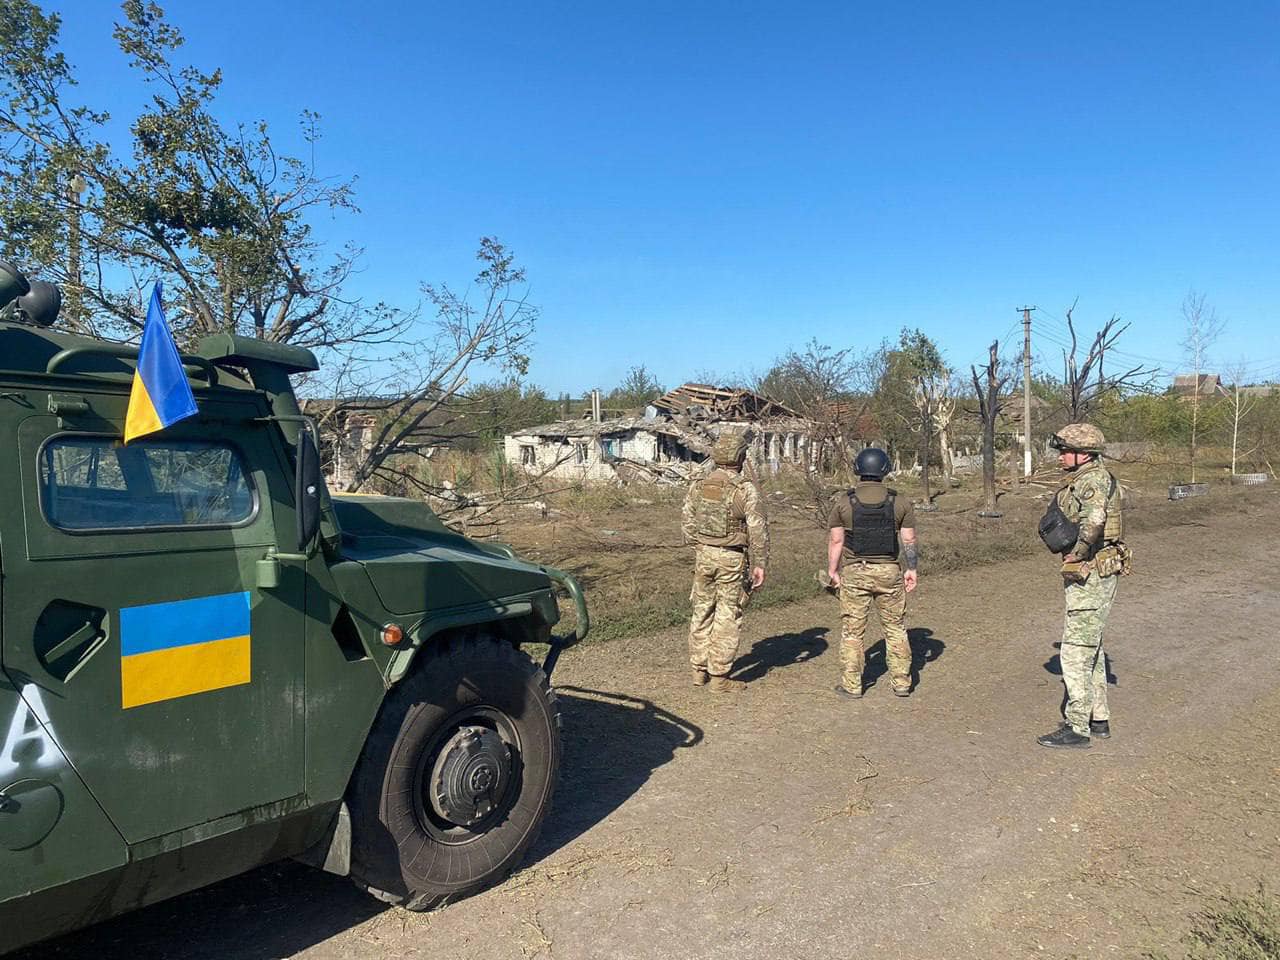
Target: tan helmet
x,y
730,448
1079,438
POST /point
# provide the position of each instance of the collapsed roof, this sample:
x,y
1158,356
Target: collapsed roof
x,y
705,402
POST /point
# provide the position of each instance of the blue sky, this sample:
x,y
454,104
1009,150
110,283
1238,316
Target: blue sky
x,y
699,186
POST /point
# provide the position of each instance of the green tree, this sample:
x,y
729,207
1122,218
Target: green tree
x,y
216,212
913,382
808,381
225,219
638,388
501,406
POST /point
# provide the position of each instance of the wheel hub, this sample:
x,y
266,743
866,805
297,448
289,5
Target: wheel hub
x,y
469,776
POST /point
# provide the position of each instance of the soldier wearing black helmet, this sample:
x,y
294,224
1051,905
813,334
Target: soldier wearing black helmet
x,y
872,529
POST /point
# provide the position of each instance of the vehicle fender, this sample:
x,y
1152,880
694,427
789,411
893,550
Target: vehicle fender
x,y
523,620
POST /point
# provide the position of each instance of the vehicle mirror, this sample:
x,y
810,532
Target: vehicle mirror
x,y
306,489
40,304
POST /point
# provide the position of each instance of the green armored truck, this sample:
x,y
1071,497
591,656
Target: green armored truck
x,y
209,664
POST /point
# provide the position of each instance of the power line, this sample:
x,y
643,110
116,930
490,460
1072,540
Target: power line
x,y
1253,368
1063,332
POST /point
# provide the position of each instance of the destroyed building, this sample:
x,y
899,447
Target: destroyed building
x,y
671,439
346,439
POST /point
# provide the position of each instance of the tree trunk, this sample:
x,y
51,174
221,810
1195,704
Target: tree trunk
x,y
1195,417
944,450
926,443
989,463
989,408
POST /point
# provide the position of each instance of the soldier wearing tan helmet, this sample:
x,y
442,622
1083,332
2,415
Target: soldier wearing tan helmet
x,y
723,515
1085,524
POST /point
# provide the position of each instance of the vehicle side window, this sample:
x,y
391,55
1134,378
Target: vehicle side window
x,y
95,483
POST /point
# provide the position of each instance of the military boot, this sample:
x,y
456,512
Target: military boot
x,y
1100,729
1064,736
902,690
846,694
725,685
699,677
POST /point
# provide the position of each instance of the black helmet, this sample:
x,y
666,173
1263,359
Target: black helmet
x,y
872,462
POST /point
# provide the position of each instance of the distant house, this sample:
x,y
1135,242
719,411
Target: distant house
x,y
1210,385
1259,390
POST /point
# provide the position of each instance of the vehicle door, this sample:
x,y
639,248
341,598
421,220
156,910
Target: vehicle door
x,y
172,683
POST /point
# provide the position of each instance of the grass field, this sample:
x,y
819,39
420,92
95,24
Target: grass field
x,y
624,543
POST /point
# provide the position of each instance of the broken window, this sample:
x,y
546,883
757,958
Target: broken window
x,y
579,453
609,447
528,455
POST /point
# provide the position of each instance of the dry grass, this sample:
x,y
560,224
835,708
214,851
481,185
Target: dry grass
x,y
1234,928
624,543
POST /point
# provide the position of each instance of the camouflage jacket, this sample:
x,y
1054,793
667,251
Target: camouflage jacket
x,y
1091,498
745,508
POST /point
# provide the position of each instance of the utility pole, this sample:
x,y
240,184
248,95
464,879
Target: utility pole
x,y
1026,391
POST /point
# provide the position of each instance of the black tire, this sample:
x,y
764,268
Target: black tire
x,y
457,775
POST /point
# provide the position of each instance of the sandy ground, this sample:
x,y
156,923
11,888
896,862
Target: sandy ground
x,y
784,822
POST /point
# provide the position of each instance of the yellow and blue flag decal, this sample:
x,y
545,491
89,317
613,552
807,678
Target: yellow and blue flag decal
x,y
175,649
160,395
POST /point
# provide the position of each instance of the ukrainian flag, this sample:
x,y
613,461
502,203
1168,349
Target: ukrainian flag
x,y
176,649
161,395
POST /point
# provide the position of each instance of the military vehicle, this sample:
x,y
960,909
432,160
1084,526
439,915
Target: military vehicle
x,y
210,664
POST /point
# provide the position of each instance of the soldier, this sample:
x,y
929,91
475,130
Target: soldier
x,y
867,527
724,515
1090,504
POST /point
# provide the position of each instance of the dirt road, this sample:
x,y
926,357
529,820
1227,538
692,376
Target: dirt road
x,y
783,822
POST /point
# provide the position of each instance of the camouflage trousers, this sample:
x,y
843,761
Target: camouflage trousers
x,y
719,595
861,585
1084,664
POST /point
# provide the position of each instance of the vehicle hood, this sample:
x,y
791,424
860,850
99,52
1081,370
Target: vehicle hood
x,y
415,563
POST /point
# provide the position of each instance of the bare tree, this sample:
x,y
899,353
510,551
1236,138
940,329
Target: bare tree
x,y
989,406
831,389
825,386
935,408
1202,328
1242,405
944,409
923,400
1085,380
417,399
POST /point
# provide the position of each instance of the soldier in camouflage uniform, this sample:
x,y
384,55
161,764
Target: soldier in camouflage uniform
x,y
723,515
867,527
1091,498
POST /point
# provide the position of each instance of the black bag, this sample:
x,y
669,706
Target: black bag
x,y
1058,533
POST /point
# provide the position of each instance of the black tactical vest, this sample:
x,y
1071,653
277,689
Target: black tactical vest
x,y
874,532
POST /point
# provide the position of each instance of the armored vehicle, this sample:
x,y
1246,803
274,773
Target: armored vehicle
x,y
209,663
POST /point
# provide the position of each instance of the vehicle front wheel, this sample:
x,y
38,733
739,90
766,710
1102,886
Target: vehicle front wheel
x,y
457,775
